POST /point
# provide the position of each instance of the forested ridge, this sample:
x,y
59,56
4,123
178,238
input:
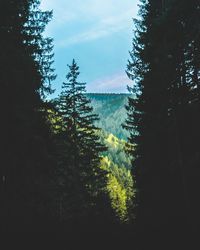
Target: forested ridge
x,y
102,165
111,110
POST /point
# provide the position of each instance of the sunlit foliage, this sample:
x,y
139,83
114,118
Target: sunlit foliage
x,y
120,184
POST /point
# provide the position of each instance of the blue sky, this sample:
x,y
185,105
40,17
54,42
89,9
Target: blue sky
x,y
98,35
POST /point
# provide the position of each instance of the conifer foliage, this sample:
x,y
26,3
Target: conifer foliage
x,y
164,116
83,176
26,71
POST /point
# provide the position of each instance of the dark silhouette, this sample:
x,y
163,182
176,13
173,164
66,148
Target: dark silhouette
x,y
164,117
81,177
25,63
52,178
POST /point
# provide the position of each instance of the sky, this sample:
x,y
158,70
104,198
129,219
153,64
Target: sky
x,y
98,35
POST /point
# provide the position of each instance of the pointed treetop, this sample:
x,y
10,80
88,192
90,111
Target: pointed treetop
x,y
74,70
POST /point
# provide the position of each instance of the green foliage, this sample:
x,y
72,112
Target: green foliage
x,y
118,197
55,120
120,184
81,178
117,151
112,113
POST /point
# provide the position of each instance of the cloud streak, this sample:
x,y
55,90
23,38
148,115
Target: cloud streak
x,y
98,34
103,18
104,28
116,83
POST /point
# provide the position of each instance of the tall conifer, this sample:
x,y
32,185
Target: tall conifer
x,y
158,67
83,176
25,62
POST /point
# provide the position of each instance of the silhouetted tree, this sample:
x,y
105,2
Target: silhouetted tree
x,y
163,116
81,176
26,72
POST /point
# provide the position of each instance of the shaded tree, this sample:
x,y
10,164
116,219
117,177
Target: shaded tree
x,y
81,177
164,114
26,72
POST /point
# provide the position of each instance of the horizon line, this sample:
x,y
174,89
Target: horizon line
x,y
105,93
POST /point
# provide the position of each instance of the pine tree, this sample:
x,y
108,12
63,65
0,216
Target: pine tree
x,y
161,118
26,72
153,67
80,164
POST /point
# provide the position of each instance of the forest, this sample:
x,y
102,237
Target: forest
x,y
108,168
111,111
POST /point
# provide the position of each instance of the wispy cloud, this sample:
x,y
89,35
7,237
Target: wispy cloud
x,y
115,83
103,17
78,28
101,29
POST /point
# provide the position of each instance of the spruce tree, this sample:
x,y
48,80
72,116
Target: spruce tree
x,y
26,72
163,116
83,179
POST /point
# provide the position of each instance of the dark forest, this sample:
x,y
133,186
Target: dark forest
x,y
107,168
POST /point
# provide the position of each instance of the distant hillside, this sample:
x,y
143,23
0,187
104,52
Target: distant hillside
x,y
116,151
112,113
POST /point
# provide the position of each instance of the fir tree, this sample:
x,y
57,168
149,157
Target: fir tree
x,y
26,72
81,163
164,73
